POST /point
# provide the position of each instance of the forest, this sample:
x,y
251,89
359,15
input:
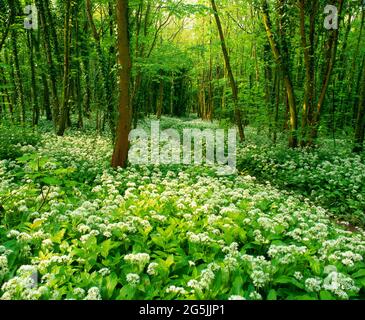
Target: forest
x,y
99,99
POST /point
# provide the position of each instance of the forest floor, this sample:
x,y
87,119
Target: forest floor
x,y
73,228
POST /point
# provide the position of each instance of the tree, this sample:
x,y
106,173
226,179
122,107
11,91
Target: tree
x,y
360,121
278,55
330,63
120,155
232,81
52,68
66,70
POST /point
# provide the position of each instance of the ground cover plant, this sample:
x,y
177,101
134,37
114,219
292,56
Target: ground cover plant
x,y
85,231
332,177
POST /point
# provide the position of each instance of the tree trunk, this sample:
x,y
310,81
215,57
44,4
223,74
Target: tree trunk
x,y
18,78
160,99
360,121
293,140
66,71
308,48
120,155
33,87
52,71
105,72
232,81
333,42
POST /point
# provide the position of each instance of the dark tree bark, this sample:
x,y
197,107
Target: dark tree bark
x,y
34,100
120,155
52,70
66,71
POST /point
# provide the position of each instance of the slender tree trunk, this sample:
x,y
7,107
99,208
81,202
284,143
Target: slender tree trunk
x,y
66,71
17,73
120,155
308,48
18,78
84,51
52,30
52,70
34,100
293,140
232,81
277,104
46,100
6,31
6,95
333,43
105,72
160,99
172,93
360,121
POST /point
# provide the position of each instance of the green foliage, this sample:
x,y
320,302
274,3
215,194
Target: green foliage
x,y
14,141
334,179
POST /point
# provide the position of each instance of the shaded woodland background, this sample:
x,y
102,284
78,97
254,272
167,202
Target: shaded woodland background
x,y
269,64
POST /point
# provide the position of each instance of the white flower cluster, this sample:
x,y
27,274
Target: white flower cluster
x,y
206,278
255,296
286,254
24,286
340,284
3,266
236,298
133,279
199,238
104,272
313,284
140,259
152,269
79,292
92,294
176,290
347,258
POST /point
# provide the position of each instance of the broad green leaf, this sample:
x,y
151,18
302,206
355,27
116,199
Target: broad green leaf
x,y
325,295
272,295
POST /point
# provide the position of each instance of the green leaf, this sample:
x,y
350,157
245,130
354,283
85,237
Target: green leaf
x,y
272,295
217,282
52,181
169,261
315,266
237,286
105,247
325,295
304,297
359,274
283,280
111,283
288,280
361,282
57,238
126,293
